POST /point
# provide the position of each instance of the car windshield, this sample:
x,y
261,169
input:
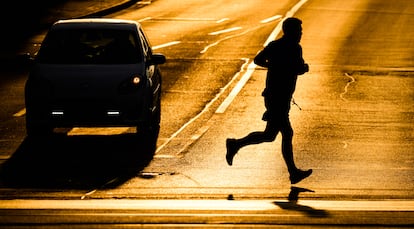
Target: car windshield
x,y
90,46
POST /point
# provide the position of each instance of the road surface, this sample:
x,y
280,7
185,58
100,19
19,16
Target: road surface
x,y
353,123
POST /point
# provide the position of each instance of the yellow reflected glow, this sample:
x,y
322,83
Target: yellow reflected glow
x,y
100,131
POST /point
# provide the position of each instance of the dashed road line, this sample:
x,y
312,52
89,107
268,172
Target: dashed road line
x,y
147,2
144,19
274,18
222,20
278,28
20,113
166,45
226,38
225,31
240,85
183,19
252,66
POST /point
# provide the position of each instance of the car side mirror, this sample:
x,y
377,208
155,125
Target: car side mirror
x,y
25,59
158,58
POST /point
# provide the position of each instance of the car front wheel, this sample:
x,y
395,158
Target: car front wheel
x,y
37,129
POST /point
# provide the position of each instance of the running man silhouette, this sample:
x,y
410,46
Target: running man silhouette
x,y
284,62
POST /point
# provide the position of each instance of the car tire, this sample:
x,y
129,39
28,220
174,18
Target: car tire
x,y
34,128
149,131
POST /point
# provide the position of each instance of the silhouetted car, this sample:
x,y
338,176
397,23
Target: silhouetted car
x,y
94,72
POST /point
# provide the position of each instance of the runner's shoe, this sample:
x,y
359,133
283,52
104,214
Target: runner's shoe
x,y
231,150
299,175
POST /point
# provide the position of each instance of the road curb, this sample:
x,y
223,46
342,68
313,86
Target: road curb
x,y
211,212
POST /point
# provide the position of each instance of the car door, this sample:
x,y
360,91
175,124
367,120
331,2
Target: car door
x,y
151,69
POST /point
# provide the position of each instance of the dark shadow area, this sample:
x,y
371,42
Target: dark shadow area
x,y
19,20
77,162
293,205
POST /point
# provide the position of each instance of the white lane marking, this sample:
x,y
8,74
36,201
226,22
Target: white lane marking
x,y
278,28
144,19
274,18
165,156
226,103
200,132
222,108
166,45
222,20
147,2
190,19
4,157
206,108
211,45
183,19
225,31
20,113
226,38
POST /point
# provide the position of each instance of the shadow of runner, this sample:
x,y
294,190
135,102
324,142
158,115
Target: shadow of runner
x,y
293,205
76,162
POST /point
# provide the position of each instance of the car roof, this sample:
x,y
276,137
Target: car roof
x,y
96,23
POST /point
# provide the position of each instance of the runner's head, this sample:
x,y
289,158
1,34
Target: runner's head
x,y
292,28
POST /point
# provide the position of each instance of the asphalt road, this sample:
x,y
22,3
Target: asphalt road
x,y
354,127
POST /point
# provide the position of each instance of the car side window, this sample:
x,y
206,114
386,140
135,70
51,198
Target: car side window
x,y
145,45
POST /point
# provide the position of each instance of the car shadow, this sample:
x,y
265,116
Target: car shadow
x,y
76,162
